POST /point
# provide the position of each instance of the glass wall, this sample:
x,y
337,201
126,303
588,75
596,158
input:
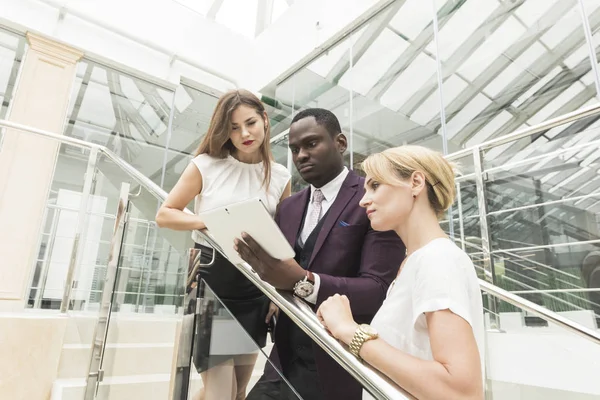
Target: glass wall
x,y
454,74
128,115
503,66
12,49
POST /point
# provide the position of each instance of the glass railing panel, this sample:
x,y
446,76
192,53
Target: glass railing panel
x,y
149,311
542,214
73,251
466,222
527,360
146,298
563,279
222,348
558,138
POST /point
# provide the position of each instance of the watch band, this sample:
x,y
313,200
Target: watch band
x,y
359,339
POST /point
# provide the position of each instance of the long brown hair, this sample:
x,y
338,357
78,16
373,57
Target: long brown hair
x,y
216,142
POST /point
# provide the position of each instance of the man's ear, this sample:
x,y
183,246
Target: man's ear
x,y
341,142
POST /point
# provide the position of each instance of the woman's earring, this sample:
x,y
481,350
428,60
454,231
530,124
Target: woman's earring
x,y
414,196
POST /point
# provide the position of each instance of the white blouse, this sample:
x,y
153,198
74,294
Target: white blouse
x,y
438,276
228,180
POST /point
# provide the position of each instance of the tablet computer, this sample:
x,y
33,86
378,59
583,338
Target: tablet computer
x,y
225,224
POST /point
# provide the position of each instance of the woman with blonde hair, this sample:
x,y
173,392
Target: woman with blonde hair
x,y
233,163
428,334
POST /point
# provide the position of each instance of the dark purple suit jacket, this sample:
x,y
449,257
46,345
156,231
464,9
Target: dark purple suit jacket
x,y
353,260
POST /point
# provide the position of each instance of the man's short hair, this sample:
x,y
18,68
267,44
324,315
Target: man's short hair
x,y
323,117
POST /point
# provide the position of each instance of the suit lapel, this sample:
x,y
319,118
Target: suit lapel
x,y
347,191
294,216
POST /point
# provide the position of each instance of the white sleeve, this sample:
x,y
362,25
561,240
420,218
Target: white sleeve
x,y
202,162
441,283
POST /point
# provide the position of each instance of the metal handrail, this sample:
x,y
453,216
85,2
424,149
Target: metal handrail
x,y
301,314
540,311
373,381
531,130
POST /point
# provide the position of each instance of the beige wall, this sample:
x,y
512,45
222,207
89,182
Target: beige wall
x,y
27,161
31,349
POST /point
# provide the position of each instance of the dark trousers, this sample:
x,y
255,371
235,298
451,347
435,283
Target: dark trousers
x,y
300,371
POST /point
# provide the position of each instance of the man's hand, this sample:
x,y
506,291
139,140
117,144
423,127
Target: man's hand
x,y
282,274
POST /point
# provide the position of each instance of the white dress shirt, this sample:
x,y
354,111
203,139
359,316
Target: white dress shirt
x,y
330,191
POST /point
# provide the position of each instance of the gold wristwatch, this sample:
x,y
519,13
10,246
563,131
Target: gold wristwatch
x,y
363,333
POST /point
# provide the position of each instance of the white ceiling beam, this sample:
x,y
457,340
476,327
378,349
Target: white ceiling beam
x,y
214,9
264,15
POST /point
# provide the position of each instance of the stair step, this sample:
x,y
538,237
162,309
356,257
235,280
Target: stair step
x,y
121,359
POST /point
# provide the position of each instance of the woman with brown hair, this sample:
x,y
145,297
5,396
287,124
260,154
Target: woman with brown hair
x,y
233,163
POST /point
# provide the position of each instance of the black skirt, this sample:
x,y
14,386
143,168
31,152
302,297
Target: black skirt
x,y
248,305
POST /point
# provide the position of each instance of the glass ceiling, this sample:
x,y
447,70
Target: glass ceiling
x,y
505,65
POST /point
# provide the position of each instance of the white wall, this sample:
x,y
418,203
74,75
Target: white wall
x,y
170,29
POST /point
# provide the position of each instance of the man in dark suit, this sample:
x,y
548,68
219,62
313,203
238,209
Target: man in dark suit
x,y
336,252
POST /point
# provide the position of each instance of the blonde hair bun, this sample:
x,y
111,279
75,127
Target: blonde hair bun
x,y
397,164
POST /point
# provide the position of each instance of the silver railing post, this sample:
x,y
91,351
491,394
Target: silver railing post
x,y
81,230
188,335
47,257
486,242
95,373
460,216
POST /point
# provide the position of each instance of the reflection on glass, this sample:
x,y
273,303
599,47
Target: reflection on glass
x,y
221,348
465,212
520,64
375,81
59,229
128,115
592,11
192,113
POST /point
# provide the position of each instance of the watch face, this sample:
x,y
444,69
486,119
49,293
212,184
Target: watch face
x,y
368,329
303,289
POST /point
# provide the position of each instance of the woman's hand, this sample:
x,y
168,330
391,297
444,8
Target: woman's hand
x,y
335,314
273,310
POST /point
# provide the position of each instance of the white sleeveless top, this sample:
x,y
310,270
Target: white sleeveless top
x,y
227,180
437,276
